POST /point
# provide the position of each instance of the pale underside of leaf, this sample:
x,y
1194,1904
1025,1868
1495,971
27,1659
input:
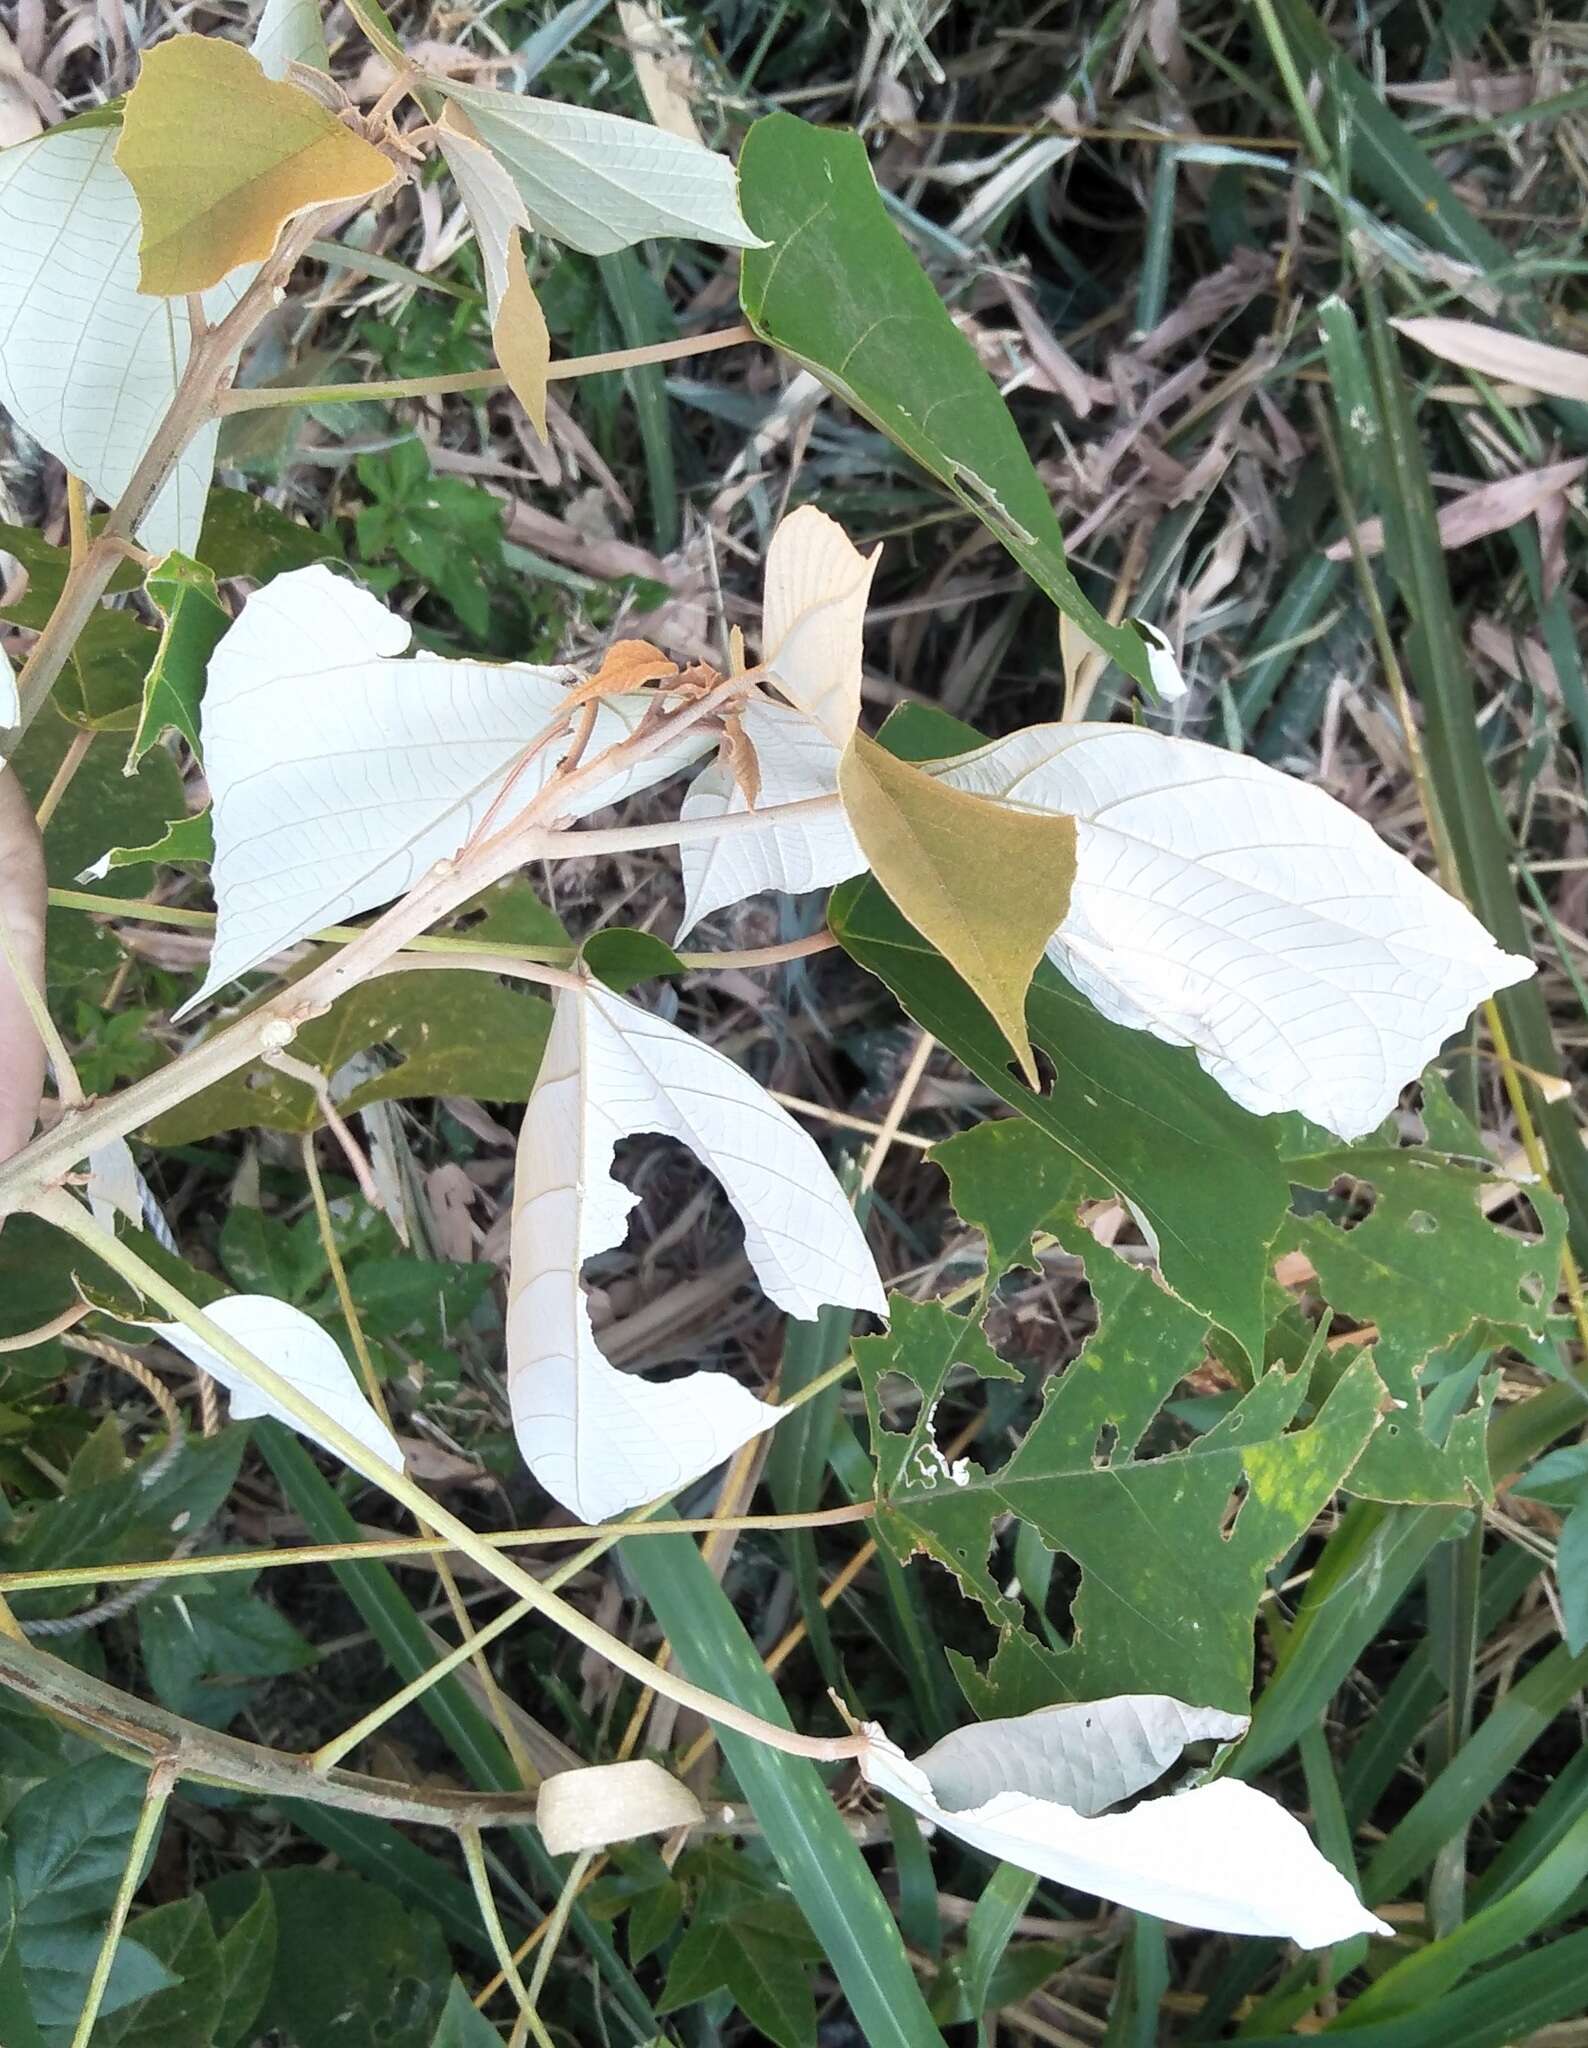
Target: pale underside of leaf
x,y
341,773
599,182
1085,1757
88,364
296,1347
290,32
599,1440
817,587
1222,905
590,1809
1221,1856
797,762
10,706
115,1187
987,883
222,157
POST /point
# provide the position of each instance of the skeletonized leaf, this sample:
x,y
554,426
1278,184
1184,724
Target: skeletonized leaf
x,y
816,589
606,1803
496,213
290,32
1509,358
1086,1757
91,371
1222,905
597,1439
341,773
1222,1856
296,1347
221,157
797,762
22,900
988,884
599,182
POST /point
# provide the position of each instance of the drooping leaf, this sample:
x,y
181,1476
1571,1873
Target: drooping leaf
x,y
341,773
1138,1114
601,1440
221,157
1191,1532
986,882
837,288
23,890
91,372
1221,1855
1222,905
599,182
194,620
797,762
453,1034
817,586
295,1346
500,222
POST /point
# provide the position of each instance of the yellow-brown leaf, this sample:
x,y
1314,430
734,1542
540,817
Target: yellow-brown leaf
x,y
521,339
987,883
221,157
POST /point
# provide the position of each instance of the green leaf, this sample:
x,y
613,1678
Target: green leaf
x,y
194,618
248,1961
101,686
185,841
1571,1575
461,2025
64,1852
1139,1114
1011,1182
1191,1532
819,1858
758,1954
186,2015
47,566
839,290
101,808
18,2028
197,1647
454,1034
621,958
245,535
353,1968
1425,1266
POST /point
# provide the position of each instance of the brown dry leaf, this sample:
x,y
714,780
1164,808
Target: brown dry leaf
x,y
1491,508
740,758
986,883
663,68
1508,358
222,157
605,1803
625,666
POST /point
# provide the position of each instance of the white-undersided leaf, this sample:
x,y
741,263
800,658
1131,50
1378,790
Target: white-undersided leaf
x,y
816,588
1086,1757
599,1440
115,1186
295,1346
797,761
500,223
591,1809
1222,905
88,364
341,773
599,182
10,705
290,32
1222,1856
1162,666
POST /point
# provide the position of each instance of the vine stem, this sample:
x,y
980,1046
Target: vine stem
x,y
462,381
161,1780
62,1210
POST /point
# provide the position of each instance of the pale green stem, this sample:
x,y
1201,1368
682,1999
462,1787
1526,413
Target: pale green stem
x,y
459,381
61,1209
161,1779
474,1860
558,1921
